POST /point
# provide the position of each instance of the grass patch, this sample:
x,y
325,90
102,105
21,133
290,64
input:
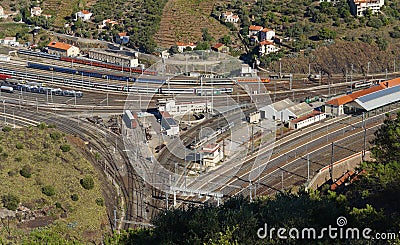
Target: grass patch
x,y
41,177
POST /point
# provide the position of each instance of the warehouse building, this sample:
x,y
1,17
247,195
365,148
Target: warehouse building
x,y
296,111
113,58
378,99
273,111
304,121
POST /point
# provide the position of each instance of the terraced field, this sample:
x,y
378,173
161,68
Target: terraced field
x,y
182,20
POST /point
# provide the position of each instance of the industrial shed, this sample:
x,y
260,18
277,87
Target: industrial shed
x,y
378,99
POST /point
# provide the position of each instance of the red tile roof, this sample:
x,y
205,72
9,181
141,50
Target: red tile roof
x,y
351,97
59,45
85,12
313,114
390,83
122,34
185,44
255,28
266,30
218,45
265,42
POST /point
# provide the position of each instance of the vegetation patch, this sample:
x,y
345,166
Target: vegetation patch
x,y
40,182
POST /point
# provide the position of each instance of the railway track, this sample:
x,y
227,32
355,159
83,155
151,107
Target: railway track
x,y
131,186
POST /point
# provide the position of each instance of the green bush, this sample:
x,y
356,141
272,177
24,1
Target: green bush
x,y
100,201
10,201
19,146
18,159
55,136
1,149
58,205
42,126
87,182
74,197
26,171
6,129
48,190
65,148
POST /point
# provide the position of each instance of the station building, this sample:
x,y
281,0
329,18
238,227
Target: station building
x,y
380,95
113,58
168,124
62,49
212,154
183,108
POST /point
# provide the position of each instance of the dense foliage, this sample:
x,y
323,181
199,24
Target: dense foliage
x,y
370,202
139,18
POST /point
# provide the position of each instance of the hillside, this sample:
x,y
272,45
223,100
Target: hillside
x,y
182,20
40,171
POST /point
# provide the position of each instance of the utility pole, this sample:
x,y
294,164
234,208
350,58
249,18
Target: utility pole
x,y
290,82
308,167
351,74
331,167
252,138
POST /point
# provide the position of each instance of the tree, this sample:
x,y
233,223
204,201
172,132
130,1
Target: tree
x,y
10,201
387,141
26,171
326,33
206,35
226,40
381,42
173,49
87,182
48,190
65,148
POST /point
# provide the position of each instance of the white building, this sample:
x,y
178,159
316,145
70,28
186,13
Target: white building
x,y
169,125
2,14
182,46
273,111
358,7
267,47
296,111
254,30
184,107
267,34
230,17
254,117
8,40
36,11
330,1
83,15
304,121
212,154
62,49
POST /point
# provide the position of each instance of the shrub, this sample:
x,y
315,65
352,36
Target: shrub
x,y
1,149
18,159
19,146
74,197
87,182
55,136
26,171
10,201
6,129
42,126
58,205
100,201
48,190
4,155
65,148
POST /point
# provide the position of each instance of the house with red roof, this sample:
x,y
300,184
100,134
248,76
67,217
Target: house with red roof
x,y
267,34
62,49
228,16
267,47
254,30
182,46
220,47
83,15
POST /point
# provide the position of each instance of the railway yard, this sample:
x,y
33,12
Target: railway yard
x,y
89,101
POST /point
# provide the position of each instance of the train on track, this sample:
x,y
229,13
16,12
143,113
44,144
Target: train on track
x,y
10,85
87,62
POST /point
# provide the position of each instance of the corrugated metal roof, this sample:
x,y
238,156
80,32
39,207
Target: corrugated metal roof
x,y
283,104
300,109
379,98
